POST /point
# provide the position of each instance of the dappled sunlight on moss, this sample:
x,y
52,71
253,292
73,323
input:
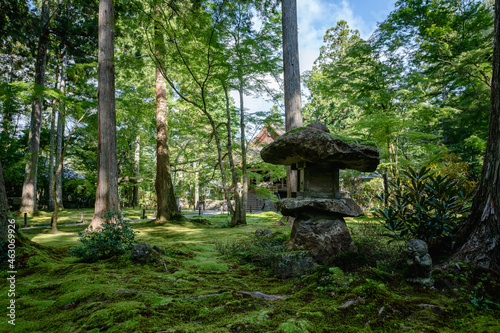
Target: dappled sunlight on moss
x,y
196,290
62,239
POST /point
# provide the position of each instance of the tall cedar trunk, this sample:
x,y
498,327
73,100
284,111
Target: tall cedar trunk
x,y
52,148
244,179
203,107
61,123
479,236
53,188
293,107
29,200
165,195
4,208
107,175
137,161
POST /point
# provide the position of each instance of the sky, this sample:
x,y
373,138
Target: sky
x,y
314,17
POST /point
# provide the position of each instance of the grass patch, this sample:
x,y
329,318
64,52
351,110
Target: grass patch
x,y
56,293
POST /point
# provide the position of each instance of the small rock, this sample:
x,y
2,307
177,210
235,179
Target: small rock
x,y
324,237
143,253
265,232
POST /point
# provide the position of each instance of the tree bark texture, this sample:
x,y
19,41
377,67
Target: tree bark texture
x,y
137,161
61,123
52,147
28,199
107,175
479,236
165,196
244,178
293,107
59,179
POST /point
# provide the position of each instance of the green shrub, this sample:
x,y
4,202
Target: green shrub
x,y
364,193
113,238
258,249
424,206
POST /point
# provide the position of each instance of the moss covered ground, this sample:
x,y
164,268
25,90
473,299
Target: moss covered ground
x,y
364,293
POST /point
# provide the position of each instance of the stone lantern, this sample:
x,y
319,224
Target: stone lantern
x,y
318,206
317,180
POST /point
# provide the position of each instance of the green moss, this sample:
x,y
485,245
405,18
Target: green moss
x,y
295,326
352,140
295,130
57,294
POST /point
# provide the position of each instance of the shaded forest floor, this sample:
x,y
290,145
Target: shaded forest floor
x,y
57,293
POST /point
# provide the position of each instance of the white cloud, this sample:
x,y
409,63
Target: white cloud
x,y
317,16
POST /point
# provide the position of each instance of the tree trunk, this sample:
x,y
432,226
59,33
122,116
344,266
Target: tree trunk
x,y
244,178
293,107
221,161
107,175
60,164
236,213
167,205
478,239
137,161
29,200
53,188
61,123
52,147
196,186
51,151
